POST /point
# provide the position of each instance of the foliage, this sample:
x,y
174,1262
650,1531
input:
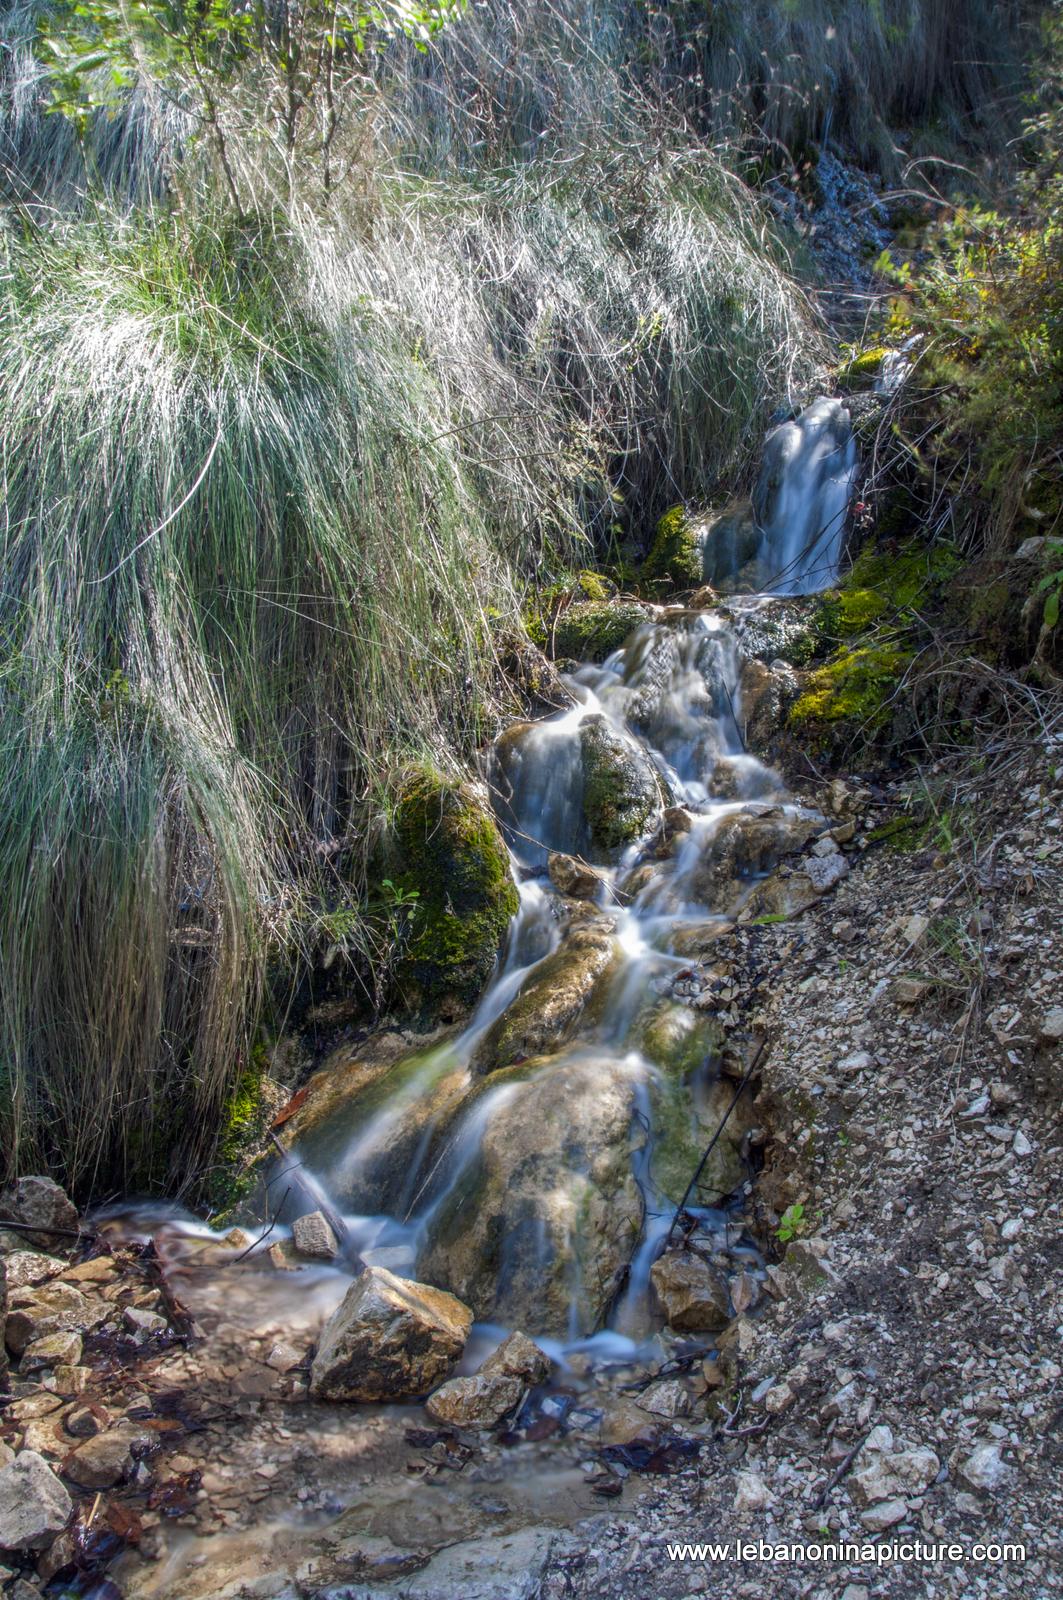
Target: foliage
x,y
792,1223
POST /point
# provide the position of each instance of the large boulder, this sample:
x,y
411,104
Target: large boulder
x,y
546,1216
34,1506
621,786
692,1295
688,1101
573,877
519,1357
39,1204
730,542
389,1339
765,695
593,630
554,1001
446,850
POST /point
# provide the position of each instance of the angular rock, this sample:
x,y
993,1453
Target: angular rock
x,y
904,1472
145,1324
747,844
886,1514
314,1237
573,877
25,1268
53,1307
518,1357
107,1458
625,1422
824,872
985,1468
665,1399
70,1381
389,1339
41,1205
54,1350
1051,1029
34,1506
752,1493
693,1297
481,1401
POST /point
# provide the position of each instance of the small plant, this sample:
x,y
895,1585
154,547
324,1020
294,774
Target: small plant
x,y
1051,585
791,1223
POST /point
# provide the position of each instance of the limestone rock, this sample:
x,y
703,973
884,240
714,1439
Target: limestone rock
x,y
49,1308
693,1297
54,1350
543,1219
106,1458
34,1506
752,1493
825,872
573,877
553,1002
314,1237
665,1399
25,1268
905,1472
389,1339
886,1514
625,1422
985,1468
747,844
145,1324
481,1401
519,1357
42,1205
1051,1029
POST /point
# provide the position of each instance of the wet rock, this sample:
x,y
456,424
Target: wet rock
x,y
313,1237
106,1458
745,845
41,1205
553,1002
543,1220
692,1296
389,1339
519,1357
766,694
145,1324
55,1307
573,877
34,1506
85,1422
481,1401
621,786
25,1268
688,1101
284,1357
592,631
54,1350
784,894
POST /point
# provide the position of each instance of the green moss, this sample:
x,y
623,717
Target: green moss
x,y
674,555
679,1040
862,369
592,631
849,697
449,853
620,789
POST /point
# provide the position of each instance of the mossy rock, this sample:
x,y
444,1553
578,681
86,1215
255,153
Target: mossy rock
x,y
593,630
448,851
675,556
847,702
679,1040
861,371
621,787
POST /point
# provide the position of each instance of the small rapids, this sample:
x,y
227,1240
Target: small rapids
x,y
533,1162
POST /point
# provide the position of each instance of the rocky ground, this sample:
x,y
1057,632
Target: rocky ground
x,y
895,1376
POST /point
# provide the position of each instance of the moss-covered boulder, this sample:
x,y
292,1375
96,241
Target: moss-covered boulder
x,y
675,555
446,849
593,630
621,786
688,1101
560,994
847,705
540,1224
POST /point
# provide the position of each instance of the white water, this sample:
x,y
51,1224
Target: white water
x,y
802,499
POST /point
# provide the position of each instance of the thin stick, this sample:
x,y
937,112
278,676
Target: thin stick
x,y
695,1180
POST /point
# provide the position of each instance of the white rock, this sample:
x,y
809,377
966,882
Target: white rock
x,y
889,1474
1052,1025
752,1493
915,929
144,1323
884,1515
1021,1145
34,1506
824,872
985,1468
825,846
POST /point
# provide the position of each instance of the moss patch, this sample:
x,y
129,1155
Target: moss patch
x,y
862,369
449,853
674,555
849,698
592,631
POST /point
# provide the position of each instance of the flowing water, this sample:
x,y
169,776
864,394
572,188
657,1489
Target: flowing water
x,y
532,1163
